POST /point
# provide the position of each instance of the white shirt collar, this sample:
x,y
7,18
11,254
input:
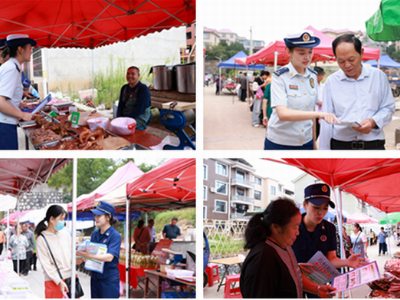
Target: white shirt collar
x,y
365,72
16,62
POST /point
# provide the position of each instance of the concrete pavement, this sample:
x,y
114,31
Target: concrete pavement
x,y
227,124
360,292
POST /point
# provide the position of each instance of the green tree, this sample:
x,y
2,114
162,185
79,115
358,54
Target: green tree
x,y
390,50
396,55
92,173
62,179
224,51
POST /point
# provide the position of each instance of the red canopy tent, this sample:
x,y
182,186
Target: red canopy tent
x,y
172,185
359,217
373,180
13,217
322,53
92,23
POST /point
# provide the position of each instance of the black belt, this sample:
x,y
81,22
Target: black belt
x,y
356,145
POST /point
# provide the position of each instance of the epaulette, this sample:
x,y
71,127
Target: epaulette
x,y
312,71
280,71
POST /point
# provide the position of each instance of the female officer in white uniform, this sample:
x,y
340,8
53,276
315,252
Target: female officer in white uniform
x,y
293,97
11,89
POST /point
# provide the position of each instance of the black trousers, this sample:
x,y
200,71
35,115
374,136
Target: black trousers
x,y
1,248
27,266
34,260
243,95
21,265
382,247
217,90
317,128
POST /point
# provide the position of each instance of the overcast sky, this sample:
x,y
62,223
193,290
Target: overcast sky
x,y
284,174
274,19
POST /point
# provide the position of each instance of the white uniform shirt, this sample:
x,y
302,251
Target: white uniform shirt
x,y
353,100
320,88
152,233
298,92
11,87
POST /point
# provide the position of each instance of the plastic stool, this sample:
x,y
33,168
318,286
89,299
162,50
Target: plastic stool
x,y
212,276
235,292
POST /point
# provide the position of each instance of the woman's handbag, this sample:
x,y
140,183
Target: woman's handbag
x,y
78,288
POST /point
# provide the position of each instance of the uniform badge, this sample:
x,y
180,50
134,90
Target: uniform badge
x,y
106,240
107,233
291,74
324,188
323,238
99,204
312,82
306,37
293,87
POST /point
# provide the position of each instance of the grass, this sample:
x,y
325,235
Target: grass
x,y
164,218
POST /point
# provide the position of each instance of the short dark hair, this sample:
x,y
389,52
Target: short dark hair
x,y
347,38
174,219
136,68
151,220
264,73
382,228
280,212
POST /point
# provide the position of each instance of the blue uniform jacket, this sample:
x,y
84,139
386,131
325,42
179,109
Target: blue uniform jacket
x,y
112,239
324,240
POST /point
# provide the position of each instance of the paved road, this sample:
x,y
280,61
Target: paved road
x,y
227,124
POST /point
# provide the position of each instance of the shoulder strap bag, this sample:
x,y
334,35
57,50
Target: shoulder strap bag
x,y
78,288
134,245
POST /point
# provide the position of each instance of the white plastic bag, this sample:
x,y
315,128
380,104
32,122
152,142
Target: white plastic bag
x,y
123,126
96,122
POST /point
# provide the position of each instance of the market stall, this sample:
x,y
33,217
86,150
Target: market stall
x,y
374,181
18,176
169,186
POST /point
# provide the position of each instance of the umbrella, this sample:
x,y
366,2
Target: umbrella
x,y
393,218
384,25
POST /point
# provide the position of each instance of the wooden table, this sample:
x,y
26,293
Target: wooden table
x,y
139,137
158,278
227,262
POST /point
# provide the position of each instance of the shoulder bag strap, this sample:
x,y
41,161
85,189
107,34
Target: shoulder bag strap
x,y
51,253
140,233
357,238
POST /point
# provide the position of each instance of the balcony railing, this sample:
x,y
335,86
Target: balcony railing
x,y
242,182
236,216
243,199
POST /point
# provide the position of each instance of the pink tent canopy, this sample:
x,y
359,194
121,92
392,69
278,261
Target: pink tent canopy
x,y
120,177
322,53
13,217
359,217
22,175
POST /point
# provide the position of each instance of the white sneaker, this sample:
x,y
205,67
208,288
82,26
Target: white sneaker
x,y
256,125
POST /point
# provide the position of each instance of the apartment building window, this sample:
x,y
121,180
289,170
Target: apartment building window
x,y
204,193
240,176
221,169
220,206
188,35
257,195
231,36
257,208
280,188
273,190
204,212
206,35
204,172
257,180
221,187
223,35
239,191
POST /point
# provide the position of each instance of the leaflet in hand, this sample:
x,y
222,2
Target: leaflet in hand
x,y
91,247
95,265
349,124
356,277
322,271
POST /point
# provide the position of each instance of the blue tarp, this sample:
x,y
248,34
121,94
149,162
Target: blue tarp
x,y
384,61
230,63
89,216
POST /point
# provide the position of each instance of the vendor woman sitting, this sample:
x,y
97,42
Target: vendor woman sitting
x,y
134,100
